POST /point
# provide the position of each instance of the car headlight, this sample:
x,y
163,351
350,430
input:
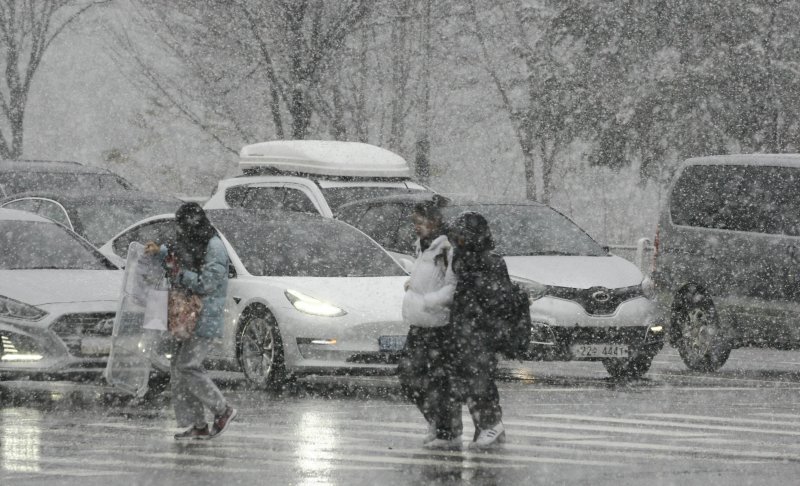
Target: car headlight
x,y
19,310
310,305
648,288
535,290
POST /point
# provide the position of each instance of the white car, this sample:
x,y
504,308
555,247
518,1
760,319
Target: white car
x,y
312,176
58,297
586,304
306,294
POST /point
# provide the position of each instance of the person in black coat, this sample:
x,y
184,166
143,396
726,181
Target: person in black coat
x,y
481,289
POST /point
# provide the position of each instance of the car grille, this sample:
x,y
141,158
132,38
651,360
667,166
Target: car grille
x,y
591,335
71,328
597,300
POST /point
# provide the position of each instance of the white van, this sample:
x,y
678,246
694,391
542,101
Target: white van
x,y
312,176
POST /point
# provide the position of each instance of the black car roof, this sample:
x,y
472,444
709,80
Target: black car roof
x,y
50,166
72,196
452,200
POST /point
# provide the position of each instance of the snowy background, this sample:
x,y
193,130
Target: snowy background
x,y
615,95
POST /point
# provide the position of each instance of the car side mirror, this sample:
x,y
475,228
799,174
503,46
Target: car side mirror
x,y
231,271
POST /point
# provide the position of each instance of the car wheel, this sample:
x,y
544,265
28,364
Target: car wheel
x,y
700,340
634,367
260,351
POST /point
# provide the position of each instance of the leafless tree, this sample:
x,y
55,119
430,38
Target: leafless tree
x,y
245,69
534,86
27,30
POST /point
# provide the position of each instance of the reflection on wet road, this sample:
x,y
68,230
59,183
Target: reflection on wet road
x,y
566,423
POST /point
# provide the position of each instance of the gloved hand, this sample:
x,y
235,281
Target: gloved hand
x,y
151,248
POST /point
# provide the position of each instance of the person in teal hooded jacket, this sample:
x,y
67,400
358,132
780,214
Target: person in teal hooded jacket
x,y
198,263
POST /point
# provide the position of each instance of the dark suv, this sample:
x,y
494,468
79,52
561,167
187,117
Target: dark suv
x,y
18,176
728,257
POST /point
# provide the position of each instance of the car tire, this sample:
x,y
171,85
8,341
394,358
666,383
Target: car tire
x,y
700,339
260,350
628,368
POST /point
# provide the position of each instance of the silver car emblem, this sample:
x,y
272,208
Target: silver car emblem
x,y
601,296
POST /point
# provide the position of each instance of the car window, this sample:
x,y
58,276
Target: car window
x,y
261,198
297,200
381,222
525,230
738,198
322,248
351,214
52,210
339,195
31,245
162,232
270,198
99,220
30,205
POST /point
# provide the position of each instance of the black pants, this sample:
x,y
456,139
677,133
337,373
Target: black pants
x,y
427,378
478,389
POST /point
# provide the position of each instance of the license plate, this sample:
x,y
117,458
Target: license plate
x,y
391,344
588,351
95,346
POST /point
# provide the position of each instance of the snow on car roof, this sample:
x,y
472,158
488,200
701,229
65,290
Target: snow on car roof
x,y
782,160
324,157
17,215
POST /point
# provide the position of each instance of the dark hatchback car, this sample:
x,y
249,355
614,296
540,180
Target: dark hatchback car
x,y
586,304
18,176
727,265
97,216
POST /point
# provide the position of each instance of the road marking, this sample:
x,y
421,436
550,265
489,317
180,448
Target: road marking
x,y
602,428
661,423
699,451
705,418
782,415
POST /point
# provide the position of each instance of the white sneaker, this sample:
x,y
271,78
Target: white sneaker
x,y
490,437
444,444
431,433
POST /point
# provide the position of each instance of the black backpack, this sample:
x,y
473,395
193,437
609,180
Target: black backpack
x,y
513,326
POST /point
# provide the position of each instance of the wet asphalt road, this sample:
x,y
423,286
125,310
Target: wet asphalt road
x,y
566,424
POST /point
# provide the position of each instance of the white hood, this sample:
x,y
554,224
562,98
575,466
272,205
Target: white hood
x,y
39,287
578,272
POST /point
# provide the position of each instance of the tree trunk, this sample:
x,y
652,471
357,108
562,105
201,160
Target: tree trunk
x,y
423,146
529,161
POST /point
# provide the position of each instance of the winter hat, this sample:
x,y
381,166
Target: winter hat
x,y
474,228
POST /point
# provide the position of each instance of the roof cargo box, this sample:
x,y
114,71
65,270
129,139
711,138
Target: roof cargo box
x,y
322,157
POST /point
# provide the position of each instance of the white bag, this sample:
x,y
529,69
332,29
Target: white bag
x,y
155,311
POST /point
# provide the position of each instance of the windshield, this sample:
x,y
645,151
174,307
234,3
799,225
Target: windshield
x,y
99,221
738,198
323,248
336,196
14,182
532,230
29,245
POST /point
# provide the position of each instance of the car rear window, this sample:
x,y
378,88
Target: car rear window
x,y
323,248
527,230
755,199
338,195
